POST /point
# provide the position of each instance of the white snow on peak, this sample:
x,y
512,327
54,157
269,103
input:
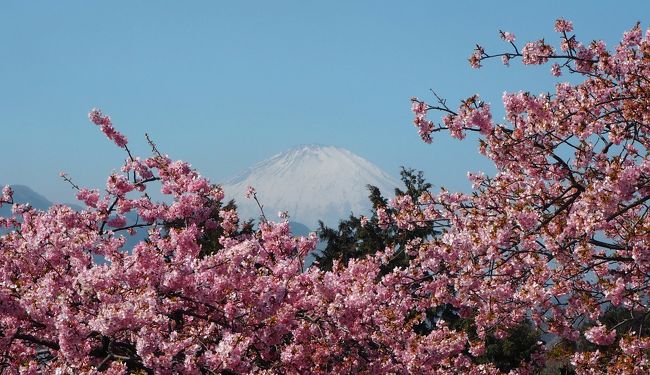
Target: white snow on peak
x,y
311,182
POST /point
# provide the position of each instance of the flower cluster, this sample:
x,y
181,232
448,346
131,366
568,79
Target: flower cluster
x,y
104,123
201,293
7,195
561,229
425,127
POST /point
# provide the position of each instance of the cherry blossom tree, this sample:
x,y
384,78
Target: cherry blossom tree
x,y
562,232
559,235
202,293
356,237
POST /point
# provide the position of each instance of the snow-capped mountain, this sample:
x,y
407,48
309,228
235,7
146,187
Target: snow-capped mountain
x,y
312,183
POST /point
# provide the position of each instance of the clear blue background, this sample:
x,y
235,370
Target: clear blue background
x,y
225,84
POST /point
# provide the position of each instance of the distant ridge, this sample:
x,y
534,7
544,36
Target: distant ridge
x,y
24,194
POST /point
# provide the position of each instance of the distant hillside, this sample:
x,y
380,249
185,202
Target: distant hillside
x,y
23,194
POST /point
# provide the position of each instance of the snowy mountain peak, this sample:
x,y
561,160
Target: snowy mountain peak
x,y
313,182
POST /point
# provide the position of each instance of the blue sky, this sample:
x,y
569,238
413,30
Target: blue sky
x,y
226,84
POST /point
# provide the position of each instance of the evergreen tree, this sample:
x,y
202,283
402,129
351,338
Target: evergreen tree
x,y
359,236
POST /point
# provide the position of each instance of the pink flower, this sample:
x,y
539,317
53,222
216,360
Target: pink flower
x,y
425,128
615,294
562,25
117,222
632,37
216,193
536,53
600,335
508,37
104,123
89,197
476,57
383,218
229,220
118,184
364,221
419,108
7,194
555,70
250,192
528,220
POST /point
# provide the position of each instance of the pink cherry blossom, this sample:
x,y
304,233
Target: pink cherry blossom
x,y
562,25
600,335
555,70
250,192
106,126
7,195
507,36
554,235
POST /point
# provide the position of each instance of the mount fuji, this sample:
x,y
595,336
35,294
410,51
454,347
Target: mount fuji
x,y
311,182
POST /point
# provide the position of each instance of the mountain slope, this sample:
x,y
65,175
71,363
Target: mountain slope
x,y
24,194
312,183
